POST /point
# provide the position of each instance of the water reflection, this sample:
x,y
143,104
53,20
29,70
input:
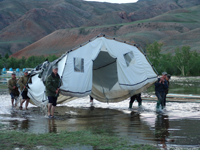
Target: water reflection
x,y
179,125
24,125
52,126
19,125
161,129
138,130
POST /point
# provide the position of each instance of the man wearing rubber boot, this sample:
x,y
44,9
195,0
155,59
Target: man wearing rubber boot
x,y
138,98
23,83
53,84
13,89
160,87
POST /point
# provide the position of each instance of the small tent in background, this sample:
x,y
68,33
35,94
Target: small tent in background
x,y
105,68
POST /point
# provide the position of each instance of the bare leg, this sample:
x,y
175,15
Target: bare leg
x,y
12,101
22,103
15,102
52,110
27,102
91,99
49,109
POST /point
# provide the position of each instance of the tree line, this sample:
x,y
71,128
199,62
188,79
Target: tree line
x,y
183,62
30,62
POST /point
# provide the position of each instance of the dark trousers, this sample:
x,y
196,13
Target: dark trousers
x,y
164,102
161,98
91,98
137,97
53,100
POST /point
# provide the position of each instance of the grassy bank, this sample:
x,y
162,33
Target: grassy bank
x,y
15,139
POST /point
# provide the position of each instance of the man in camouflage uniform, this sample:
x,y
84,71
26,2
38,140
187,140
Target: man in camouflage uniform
x,y
24,89
52,90
13,89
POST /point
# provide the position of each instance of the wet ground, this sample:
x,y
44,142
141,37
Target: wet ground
x,y
178,126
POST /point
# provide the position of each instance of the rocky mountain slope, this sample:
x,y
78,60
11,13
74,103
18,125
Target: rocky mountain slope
x,y
183,31
23,22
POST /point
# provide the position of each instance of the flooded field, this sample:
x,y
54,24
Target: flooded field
x,y
177,126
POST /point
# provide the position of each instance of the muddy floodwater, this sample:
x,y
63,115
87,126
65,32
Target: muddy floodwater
x,y
177,126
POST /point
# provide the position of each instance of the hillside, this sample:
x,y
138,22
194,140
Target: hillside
x,y
180,28
23,22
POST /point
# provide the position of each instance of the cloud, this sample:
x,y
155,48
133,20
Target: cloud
x,y
115,1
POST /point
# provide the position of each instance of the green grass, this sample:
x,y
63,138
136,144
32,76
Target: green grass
x,y
14,139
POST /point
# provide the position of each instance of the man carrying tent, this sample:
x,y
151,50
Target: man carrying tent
x,y
13,89
52,90
23,83
160,87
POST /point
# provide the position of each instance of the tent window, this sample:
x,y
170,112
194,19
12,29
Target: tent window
x,y
78,64
128,58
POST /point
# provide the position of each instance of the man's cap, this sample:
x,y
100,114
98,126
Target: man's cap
x,y
25,71
13,73
164,73
55,67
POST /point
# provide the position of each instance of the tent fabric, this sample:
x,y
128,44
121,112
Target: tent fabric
x,y
111,68
106,69
79,83
37,93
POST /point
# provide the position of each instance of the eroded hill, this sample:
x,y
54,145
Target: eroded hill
x,y
23,22
176,30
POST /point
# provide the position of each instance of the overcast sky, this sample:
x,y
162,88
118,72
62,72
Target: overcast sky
x,y
115,1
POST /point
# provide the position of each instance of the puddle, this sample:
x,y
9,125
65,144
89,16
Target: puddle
x,y
177,126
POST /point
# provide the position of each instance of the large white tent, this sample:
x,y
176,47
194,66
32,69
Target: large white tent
x,y
105,68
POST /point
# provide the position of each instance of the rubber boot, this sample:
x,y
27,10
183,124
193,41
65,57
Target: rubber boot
x,y
140,104
157,106
130,105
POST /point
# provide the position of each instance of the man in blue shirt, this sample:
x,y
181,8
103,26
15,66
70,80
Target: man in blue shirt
x,y
160,87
